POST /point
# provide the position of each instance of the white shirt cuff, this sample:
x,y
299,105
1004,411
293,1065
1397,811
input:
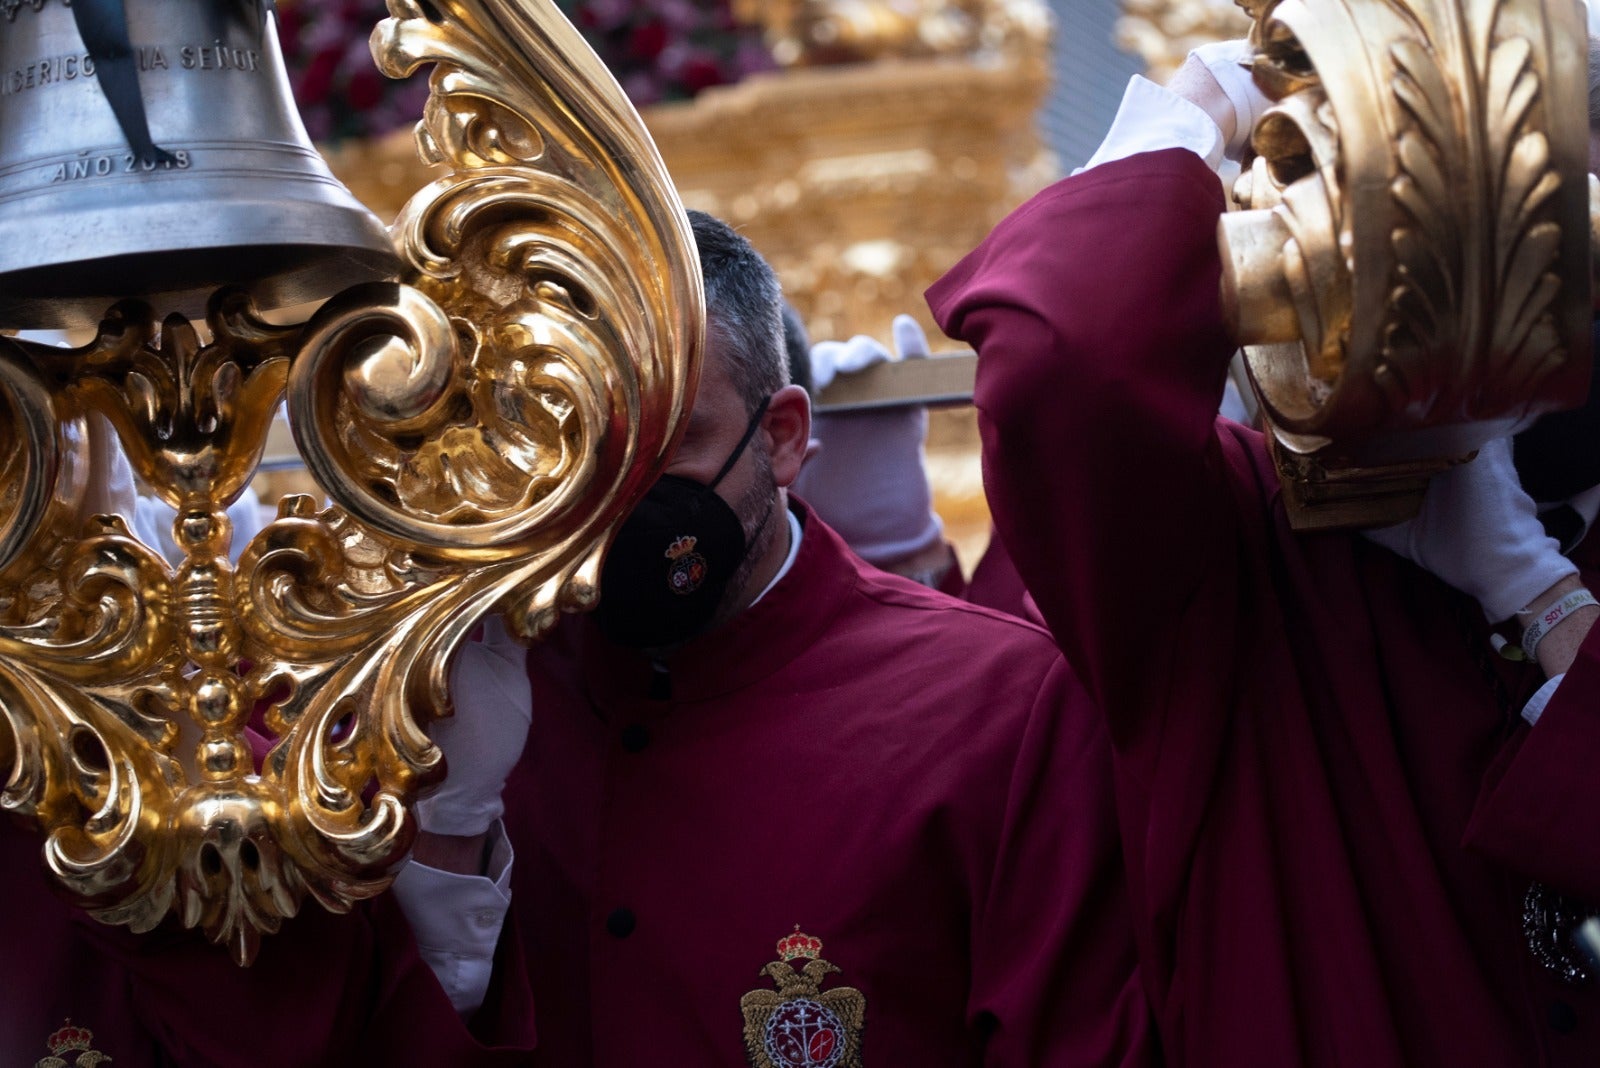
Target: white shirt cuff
x,y
1151,118
457,919
1535,706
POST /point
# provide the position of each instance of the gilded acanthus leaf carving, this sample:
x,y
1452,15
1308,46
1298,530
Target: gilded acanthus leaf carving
x,y
1425,185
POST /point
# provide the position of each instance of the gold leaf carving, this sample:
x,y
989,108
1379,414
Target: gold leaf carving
x,y
221,742
1446,104
1427,207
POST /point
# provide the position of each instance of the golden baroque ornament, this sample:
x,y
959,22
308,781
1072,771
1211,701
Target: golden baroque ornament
x,y
1411,275
220,742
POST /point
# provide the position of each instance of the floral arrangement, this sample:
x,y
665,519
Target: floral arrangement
x,y
659,50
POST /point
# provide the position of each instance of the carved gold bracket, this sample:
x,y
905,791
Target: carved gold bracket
x,y
1412,275
220,742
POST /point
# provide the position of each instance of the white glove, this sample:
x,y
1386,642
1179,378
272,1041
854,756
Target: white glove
x,y
867,481
483,741
1479,532
1229,63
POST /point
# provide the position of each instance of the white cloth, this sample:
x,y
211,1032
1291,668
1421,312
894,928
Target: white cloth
x,y
111,487
1535,706
1233,405
1479,532
483,740
457,919
1151,118
796,531
1229,63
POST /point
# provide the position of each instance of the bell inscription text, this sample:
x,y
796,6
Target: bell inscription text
x,y
105,166
59,70
183,109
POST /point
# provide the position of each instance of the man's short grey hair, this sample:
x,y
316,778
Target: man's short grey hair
x,y
744,308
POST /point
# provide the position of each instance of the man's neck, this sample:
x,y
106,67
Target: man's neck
x,y
772,556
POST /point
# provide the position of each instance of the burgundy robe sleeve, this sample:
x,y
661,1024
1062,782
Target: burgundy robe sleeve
x,y
1054,969
1540,803
1102,359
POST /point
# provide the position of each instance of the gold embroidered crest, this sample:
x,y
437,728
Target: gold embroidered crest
x,y
798,1025
74,1042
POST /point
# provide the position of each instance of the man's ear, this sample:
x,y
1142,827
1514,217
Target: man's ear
x,y
787,424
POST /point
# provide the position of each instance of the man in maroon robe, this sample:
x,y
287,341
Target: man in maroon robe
x,y
839,819
1332,812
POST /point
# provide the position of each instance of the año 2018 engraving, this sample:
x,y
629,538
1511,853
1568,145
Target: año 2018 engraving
x,y
107,164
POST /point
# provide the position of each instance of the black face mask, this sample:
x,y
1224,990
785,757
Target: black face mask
x,y
1559,456
666,574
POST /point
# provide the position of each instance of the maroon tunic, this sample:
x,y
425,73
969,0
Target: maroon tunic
x,y
1303,725
915,781
326,990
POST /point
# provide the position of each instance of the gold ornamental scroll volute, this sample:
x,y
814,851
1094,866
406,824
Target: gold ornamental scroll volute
x,y
1411,275
216,741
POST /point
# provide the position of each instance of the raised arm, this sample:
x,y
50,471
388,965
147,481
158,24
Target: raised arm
x,y
1102,359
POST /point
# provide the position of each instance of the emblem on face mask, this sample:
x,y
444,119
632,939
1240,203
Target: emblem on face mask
x,y
688,568
71,1046
799,1025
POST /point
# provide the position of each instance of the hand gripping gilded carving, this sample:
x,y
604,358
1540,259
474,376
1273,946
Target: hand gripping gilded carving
x,y
1417,254
222,742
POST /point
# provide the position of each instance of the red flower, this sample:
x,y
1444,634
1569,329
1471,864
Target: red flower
x,y
648,41
701,73
658,50
317,77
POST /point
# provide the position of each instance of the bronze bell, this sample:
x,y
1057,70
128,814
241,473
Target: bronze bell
x,y
152,148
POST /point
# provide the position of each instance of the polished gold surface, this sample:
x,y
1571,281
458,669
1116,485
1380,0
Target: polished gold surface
x,y
861,183
480,430
1411,275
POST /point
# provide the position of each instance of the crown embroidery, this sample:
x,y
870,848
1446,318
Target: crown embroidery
x,y
688,569
799,1025
75,1041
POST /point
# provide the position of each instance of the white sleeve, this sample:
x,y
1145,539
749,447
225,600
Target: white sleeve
x,y
111,490
1151,118
457,919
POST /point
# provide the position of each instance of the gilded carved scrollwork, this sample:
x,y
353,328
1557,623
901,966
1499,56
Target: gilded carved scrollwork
x,y
220,741
1411,275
